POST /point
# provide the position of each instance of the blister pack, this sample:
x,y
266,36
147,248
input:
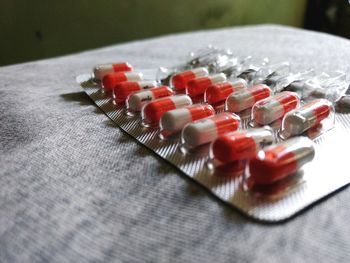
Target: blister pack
x,y
261,138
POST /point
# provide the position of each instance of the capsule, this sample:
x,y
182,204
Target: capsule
x,y
308,116
278,161
154,110
198,86
246,98
270,109
218,93
122,90
102,70
204,131
137,100
174,120
112,79
180,80
240,145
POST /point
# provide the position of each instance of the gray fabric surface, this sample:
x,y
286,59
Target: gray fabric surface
x,y
74,188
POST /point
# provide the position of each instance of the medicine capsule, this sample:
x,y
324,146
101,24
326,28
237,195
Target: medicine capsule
x,y
246,98
154,110
174,120
198,86
240,145
101,70
219,92
137,100
180,80
122,90
274,108
204,131
278,161
309,115
112,79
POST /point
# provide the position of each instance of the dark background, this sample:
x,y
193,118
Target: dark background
x,y
39,29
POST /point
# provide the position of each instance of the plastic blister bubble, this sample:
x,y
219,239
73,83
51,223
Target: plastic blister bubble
x,y
314,117
173,121
135,101
205,131
239,145
271,109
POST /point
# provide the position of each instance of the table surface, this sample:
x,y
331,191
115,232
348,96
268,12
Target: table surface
x,y
75,188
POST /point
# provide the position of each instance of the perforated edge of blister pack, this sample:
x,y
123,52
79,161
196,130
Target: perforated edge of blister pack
x,y
324,175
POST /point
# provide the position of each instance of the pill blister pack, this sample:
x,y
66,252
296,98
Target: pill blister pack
x,y
280,201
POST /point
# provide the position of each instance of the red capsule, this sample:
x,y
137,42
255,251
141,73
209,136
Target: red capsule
x,y
122,67
154,110
268,110
204,131
101,70
174,120
112,79
281,160
245,99
321,109
122,90
137,100
219,92
180,80
198,86
240,145
306,117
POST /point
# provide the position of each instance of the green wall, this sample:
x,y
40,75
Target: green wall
x,y
35,29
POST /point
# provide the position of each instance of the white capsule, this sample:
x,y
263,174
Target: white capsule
x,y
136,101
198,86
101,70
240,145
133,76
180,80
302,119
273,108
174,120
245,98
154,110
204,131
278,161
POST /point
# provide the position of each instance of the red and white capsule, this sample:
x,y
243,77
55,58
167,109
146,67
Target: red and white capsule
x,y
102,70
205,131
122,90
246,98
306,117
270,109
137,100
154,110
240,145
180,80
218,93
110,80
198,86
278,161
173,121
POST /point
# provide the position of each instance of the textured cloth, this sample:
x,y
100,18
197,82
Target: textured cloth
x,y
75,188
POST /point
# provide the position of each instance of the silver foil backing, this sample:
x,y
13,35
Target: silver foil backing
x,y
325,174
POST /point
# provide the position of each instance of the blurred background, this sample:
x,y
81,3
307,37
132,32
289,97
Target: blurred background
x,y
39,29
